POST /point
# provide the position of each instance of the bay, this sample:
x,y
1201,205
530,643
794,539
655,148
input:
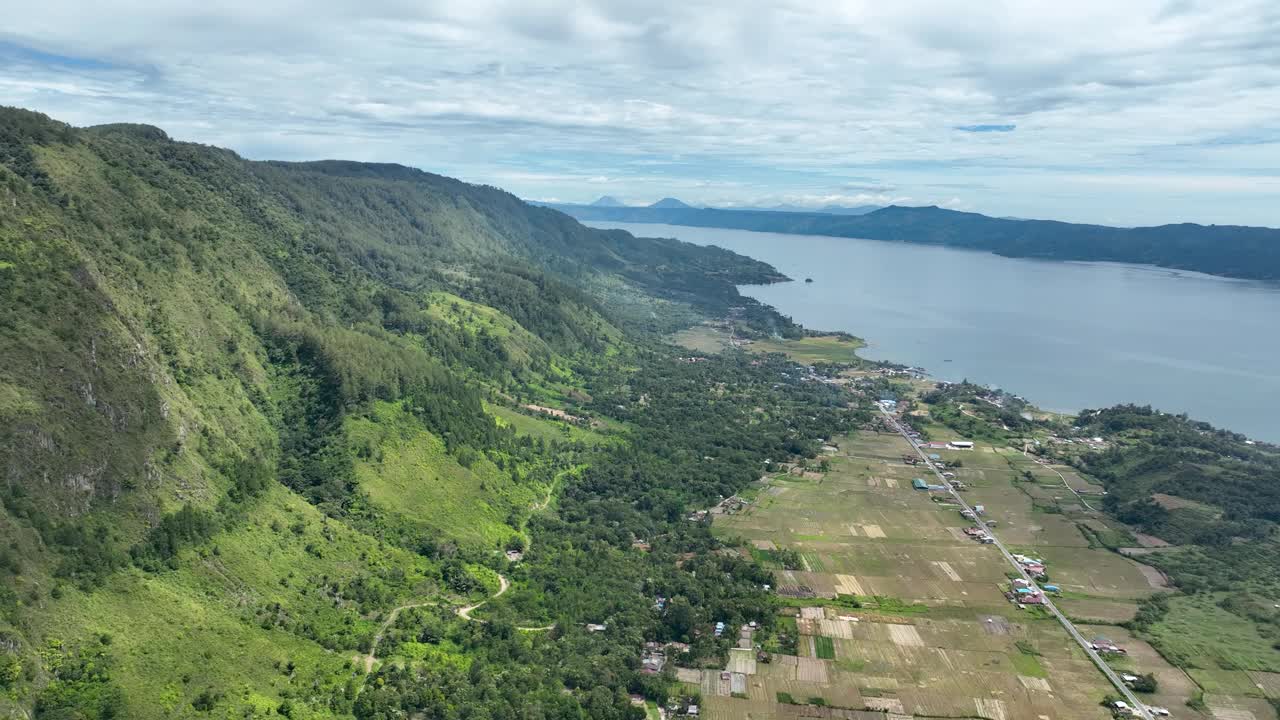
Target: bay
x,y
1065,335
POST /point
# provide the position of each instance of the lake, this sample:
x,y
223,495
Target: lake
x,y
1064,335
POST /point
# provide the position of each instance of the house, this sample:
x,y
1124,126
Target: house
x,y
1052,588
653,659
691,711
719,629
962,444
919,484
596,627
1103,645
980,509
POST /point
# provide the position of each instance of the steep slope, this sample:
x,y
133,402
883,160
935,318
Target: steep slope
x,y
245,411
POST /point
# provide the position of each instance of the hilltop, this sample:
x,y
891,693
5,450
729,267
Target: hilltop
x,y
670,203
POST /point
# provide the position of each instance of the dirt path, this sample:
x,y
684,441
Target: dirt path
x,y
503,586
1065,484
373,647
465,612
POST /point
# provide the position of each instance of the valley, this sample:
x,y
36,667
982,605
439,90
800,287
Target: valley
x,y
347,440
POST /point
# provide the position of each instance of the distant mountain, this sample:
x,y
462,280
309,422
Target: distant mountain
x,y
1231,251
608,201
855,210
670,203
824,210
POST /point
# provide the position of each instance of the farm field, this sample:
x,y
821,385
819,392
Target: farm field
x,y
933,636
899,614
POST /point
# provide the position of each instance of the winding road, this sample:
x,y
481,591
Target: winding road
x,y
1139,708
462,612
465,612
391,618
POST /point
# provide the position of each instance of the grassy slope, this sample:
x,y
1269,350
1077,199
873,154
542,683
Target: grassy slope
x,y
411,476
545,427
814,349
133,369
137,276
216,621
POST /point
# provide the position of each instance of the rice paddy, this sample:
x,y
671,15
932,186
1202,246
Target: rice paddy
x,y
932,634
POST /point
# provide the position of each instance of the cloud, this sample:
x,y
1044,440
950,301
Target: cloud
x,y
716,100
986,128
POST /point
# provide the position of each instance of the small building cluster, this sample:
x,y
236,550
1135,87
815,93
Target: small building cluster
x,y
730,506
1120,708
1102,645
653,658
1035,568
1023,592
980,535
920,484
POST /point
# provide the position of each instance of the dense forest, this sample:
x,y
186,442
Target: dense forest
x,y
247,409
1230,251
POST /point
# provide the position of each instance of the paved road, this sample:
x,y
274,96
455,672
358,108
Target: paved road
x,y
1139,707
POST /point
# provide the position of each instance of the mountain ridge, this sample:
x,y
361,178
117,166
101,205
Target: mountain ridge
x,y
1251,253
249,408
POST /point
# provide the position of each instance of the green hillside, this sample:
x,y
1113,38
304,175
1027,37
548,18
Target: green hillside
x,y
248,409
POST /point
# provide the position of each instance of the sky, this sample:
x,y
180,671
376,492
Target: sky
x,y
1131,113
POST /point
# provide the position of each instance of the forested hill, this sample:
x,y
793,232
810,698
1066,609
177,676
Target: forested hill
x,y
249,408
1227,250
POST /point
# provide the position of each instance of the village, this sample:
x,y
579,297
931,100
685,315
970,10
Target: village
x,y
885,593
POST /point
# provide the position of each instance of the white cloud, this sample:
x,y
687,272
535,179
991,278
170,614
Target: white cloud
x,y
731,101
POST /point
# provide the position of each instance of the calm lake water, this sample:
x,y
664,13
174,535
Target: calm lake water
x,y
1064,335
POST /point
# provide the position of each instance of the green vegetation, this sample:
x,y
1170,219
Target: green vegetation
x,y
836,348
248,410
1216,498
1027,660
824,647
